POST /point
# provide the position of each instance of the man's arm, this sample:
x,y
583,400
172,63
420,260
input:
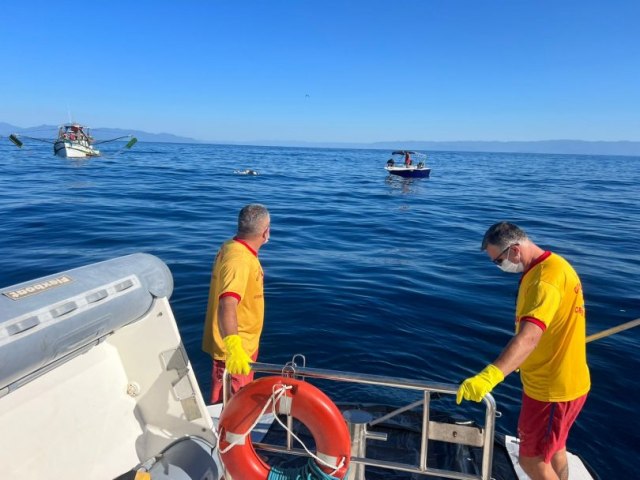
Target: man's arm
x,y
516,352
227,316
519,348
237,361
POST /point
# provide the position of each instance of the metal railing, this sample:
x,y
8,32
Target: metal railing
x,y
481,437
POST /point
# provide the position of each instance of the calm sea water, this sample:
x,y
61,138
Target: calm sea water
x,y
364,272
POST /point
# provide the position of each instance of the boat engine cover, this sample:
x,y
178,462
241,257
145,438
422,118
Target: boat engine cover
x,y
186,459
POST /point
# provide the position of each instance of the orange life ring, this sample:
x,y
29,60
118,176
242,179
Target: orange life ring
x,y
305,403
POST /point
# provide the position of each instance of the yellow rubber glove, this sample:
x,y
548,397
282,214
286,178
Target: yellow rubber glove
x,y
237,361
475,388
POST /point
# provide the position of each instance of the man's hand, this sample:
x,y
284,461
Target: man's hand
x,y
237,360
475,388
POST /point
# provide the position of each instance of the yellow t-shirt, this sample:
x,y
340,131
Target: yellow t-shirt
x,y
236,272
550,295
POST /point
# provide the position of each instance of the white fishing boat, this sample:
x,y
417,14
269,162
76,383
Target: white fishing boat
x,y
73,141
96,383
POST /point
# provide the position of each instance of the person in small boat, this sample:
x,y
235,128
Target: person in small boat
x,y
407,159
390,162
235,310
548,347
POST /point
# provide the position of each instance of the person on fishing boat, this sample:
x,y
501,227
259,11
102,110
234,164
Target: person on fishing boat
x,y
548,347
407,159
235,310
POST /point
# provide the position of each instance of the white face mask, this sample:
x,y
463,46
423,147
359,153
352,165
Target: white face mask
x,y
508,266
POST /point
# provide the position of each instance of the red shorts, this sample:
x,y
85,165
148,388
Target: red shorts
x,y
237,381
543,427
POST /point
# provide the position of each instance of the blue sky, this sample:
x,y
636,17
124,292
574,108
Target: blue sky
x,y
328,71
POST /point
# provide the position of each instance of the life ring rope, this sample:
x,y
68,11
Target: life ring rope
x,y
238,438
277,392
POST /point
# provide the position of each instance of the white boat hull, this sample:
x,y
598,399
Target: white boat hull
x,y
71,149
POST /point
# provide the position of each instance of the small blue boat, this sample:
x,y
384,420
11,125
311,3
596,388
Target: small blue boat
x,y
405,167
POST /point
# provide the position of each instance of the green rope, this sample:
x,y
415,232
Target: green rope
x,y
310,471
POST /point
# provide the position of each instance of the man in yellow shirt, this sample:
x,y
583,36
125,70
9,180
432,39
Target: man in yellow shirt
x,y
549,348
235,311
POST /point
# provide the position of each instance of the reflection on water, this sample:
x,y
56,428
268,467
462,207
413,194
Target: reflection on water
x,y
404,185
79,162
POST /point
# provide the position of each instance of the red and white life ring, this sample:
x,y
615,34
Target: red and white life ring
x,y
305,403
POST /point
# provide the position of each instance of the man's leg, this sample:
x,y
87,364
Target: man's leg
x,y
543,428
216,382
537,469
560,464
534,427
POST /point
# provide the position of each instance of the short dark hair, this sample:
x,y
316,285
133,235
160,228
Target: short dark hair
x,y
251,219
503,234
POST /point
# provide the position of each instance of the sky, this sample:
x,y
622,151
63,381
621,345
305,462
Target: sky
x,y
327,71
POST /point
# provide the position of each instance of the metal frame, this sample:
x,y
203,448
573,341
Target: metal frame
x,y
462,434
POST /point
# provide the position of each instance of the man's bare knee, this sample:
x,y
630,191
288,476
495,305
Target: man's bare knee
x,y
560,464
537,469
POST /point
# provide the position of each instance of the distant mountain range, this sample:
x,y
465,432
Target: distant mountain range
x,y
575,147
571,147
51,131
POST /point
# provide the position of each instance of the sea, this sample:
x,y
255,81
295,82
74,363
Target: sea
x,y
364,272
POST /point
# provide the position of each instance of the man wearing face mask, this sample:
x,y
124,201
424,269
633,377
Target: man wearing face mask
x,y
235,312
549,348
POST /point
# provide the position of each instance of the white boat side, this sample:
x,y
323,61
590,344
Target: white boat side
x,y
94,379
74,149
405,168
